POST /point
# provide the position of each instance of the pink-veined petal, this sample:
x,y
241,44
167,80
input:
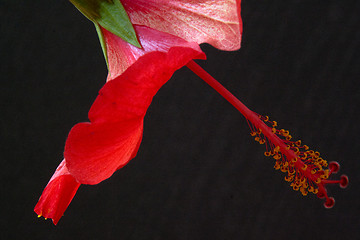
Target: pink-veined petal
x,y
57,194
121,54
216,22
95,150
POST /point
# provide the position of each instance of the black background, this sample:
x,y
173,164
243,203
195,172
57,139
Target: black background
x,y
198,174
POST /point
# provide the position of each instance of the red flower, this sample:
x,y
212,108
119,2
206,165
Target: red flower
x,y
169,33
95,150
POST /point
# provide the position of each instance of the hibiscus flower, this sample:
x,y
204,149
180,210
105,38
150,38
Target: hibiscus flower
x,y
169,33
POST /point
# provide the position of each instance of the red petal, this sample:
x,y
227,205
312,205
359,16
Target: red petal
x,y
130,95
215,22
57,194
122,55
94,151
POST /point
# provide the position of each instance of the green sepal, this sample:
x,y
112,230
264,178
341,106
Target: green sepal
x,y
102,42
111,15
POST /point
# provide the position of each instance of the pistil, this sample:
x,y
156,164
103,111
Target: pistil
x,y
305,169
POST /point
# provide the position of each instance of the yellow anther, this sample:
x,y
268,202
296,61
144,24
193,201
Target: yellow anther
x,y
277,149
292,172
316,191
303,191
288,137
277,166
288,147
262,141
311,189
298,143
277,156
45,218
266,118
259,131
313,171
296,188
303,181
257,139
285,133
322,162
284,168
273,130
267,154
317,154
306,147
39,215
289,178
253,134
294,160
296,149
274,124
304,167
325,175
317,181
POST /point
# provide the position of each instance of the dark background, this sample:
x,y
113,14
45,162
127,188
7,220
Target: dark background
x,y
198,174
